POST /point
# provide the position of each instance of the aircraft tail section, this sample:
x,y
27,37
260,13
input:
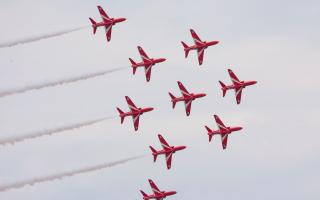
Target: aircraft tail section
x,y
173,100
94,25
143,193
121,114
154,153
133,65
209,133
186,49
223,87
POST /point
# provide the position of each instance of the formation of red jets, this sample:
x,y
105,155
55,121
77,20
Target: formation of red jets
x,y
187,97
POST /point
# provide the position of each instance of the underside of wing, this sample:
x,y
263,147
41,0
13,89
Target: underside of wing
x,y
195,37
108,32
147,70
219,123
131,105
154,188
144,56
168,160
135,119
187,104
224,140
233,77
238,93
163,142
103,15
183,90
200,55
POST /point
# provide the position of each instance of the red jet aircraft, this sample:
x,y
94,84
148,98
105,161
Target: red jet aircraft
x,y
223,131
147,63
107,23
200,46
157,194
167,150
135,113
237,85
186,97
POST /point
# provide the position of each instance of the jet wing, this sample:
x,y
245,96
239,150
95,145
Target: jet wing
x,y
238,93
154,188
233,77
219,123
224,140
183,90
187,104
169,160
131,104
200,55
147,70
163,142
143,55
135,119
108,29
104,15
195,37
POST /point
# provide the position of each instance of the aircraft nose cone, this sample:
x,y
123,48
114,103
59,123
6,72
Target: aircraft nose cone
x,y
254,82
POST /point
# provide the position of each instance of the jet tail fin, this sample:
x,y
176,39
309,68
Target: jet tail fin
x,y
173,100
209,133
133,65
94,25
154,153
121,114
143,193
186,49
223,87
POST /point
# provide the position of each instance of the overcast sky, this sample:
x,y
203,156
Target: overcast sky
x,y
275,156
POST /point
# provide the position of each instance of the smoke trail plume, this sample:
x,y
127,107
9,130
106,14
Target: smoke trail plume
x,y
57,82
39,37
46,132
65,174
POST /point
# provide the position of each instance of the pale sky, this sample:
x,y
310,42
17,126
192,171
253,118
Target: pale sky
x,y
275,156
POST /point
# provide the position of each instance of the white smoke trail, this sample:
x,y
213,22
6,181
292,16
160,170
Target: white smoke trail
x,y
58,82
39,37
45,132
65,174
